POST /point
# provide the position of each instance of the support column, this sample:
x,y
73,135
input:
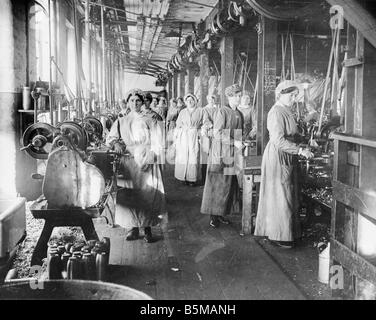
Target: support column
x,y
227,65
62,56
88,53
181,84
266,70
169,89
175,85
204,78
13,66
103,71
190,80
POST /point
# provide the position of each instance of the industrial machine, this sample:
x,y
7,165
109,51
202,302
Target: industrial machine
x,y
80,178
316,173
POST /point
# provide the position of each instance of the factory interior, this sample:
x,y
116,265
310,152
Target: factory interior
x,y
188,150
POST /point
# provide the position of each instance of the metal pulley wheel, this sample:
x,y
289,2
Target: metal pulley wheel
x,y
213,26
169,67
235,13
222,24
76,135
93,126
175,62
37,140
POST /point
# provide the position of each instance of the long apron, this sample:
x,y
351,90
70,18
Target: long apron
x,y
140,205
277,214
221,191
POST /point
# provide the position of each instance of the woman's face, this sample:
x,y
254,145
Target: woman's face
x,y
288,99
234,101
180,103
191,103
162,102
211,100
135,103
245,100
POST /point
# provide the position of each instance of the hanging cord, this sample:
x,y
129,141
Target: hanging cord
x,y
283,73
284,51
335,78
236,67
292,76
341,87
246,69
69,91
334,37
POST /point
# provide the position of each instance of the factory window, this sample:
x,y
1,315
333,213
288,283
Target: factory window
x,y
71,58
38,41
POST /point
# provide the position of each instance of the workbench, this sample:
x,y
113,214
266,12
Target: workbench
x,y
251,179
67,217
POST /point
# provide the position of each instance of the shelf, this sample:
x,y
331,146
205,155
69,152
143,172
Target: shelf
x,y
364,141
25,111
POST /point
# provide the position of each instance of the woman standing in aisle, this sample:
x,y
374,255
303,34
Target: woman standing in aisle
x,y
187,132
221,192
277,214
207,131
141,137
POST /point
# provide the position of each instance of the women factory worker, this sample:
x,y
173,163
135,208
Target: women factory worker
x,y
141,137
186,139
221,190
277,214
207,131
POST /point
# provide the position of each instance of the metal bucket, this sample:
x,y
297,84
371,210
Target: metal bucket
x,y
69,290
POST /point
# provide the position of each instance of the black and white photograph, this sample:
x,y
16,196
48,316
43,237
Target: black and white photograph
x,y
207,152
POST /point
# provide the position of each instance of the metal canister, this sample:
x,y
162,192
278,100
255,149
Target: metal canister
x,y
50,248
61,250
50,253
64,260
91,243
68,246
106,244
77,254
89,268
74,268
94,252
101,264
54,267
85,249
76,247
26,98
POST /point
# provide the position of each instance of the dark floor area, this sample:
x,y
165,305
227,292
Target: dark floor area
x,y
190,260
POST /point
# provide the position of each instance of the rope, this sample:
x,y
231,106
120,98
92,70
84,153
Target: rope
x,y
335,76
327,78
292,76
283,74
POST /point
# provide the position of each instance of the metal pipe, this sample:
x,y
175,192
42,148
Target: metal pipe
x,y
104,98
88,52
50,60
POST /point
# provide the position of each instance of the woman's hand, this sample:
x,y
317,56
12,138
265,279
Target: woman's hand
x,y
119,148
306,153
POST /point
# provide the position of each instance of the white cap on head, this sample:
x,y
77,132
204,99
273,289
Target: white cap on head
x,y
192,96
286,84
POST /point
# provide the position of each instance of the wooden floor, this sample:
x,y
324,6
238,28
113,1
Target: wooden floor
x,y
190,260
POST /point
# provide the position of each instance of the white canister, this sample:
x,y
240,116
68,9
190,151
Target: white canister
x,y
324,265
26,98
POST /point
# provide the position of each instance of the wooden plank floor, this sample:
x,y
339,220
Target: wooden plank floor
x,y
209,263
